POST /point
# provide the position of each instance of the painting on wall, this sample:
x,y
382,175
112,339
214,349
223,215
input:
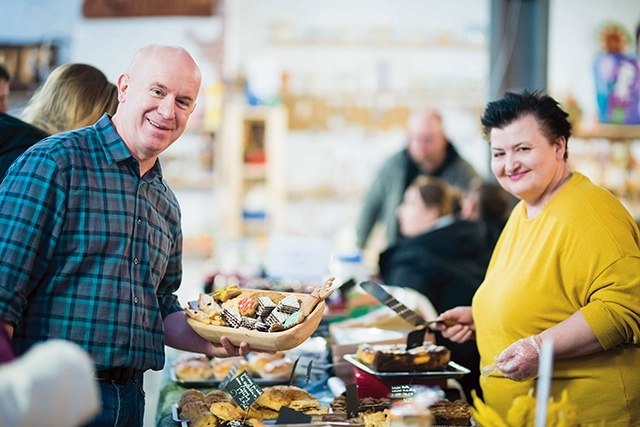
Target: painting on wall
x,y
139,8
617,77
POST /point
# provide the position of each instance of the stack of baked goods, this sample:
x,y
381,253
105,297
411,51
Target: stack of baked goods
x,y
215,407
396,357
374,412
268,405
263,311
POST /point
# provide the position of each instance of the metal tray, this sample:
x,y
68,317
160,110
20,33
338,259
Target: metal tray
x,y
212,382
452,370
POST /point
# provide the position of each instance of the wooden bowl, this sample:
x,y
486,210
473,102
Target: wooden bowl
x,y
266,341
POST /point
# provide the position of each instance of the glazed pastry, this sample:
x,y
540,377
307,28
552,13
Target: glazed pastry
x,y
226,411
257,361
215,396
276,370
247,307
206,419
276,397
293,320
194,370
223,295
221,367
191,395
192,409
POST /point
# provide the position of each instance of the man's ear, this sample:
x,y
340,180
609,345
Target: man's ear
x,y
123,85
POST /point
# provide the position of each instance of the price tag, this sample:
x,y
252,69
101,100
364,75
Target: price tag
x,y
291,416
402,393
243,390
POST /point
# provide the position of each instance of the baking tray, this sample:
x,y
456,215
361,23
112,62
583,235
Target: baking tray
x,y
452,370
212,382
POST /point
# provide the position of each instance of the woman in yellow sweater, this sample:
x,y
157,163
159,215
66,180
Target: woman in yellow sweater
x,y
566,268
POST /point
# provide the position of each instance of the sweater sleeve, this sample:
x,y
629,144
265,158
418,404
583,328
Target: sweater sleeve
x,y
613,311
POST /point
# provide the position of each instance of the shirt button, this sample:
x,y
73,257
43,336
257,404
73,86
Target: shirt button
x,y
139,221
135,299
136,261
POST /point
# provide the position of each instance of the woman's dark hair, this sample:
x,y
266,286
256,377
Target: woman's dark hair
x,y
493,201
436,193
546,110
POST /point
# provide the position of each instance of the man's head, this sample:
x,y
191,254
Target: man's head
x,y
5,79
427,142
157,95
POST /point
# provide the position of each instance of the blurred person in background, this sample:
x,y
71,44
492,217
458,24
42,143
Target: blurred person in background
x,y
5,80
439,255
73,96
566,270
488,204
428,152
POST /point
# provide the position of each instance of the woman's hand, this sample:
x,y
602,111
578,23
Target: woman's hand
x,y
520,360
464,328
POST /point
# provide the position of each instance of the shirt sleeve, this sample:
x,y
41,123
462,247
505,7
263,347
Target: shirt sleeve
x,y
32,210
167,299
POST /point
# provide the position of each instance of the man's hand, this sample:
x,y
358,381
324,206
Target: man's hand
x,y
227,349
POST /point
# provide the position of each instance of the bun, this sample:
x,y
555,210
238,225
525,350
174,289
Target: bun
x,y
257,361
276,370
194,370
221,367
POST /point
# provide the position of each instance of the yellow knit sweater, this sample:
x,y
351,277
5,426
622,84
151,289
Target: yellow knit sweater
x,y
580,253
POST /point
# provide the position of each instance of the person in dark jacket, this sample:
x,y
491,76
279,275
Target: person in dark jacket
x,y
441,256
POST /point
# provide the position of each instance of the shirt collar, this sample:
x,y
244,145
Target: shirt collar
x,y
116,150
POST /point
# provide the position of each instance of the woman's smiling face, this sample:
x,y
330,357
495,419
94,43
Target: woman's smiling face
x,y
524,161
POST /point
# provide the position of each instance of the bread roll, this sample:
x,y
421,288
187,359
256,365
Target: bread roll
x,y
257,361
221,367
277,370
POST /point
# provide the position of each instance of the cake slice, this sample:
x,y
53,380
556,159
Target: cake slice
x,y
396,357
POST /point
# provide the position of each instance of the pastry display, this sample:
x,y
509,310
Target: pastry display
x,y
277,370
396,357
276,397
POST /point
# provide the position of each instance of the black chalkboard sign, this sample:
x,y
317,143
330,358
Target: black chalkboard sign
x,y
291,416
243,390
228,377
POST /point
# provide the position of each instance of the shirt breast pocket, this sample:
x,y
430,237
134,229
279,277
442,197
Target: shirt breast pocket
x,y
160,246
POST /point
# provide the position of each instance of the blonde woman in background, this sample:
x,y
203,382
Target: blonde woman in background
x,y
73,96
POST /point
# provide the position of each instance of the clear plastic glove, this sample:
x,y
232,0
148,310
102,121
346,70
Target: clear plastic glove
x,y
520,360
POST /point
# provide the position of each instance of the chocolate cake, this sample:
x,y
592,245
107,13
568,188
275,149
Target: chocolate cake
x,y
396,357
456,413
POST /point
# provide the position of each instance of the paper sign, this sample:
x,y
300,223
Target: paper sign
x,y
228,377
243,390
402,392
291,416
298,257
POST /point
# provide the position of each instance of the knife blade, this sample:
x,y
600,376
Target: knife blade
x,y
379,293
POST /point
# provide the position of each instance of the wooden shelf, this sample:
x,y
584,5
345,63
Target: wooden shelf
x,y
606,131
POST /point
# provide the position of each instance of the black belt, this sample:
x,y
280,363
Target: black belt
x,y
118,375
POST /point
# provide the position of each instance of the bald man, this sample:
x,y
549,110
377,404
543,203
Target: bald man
x,y
428,152
95,249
